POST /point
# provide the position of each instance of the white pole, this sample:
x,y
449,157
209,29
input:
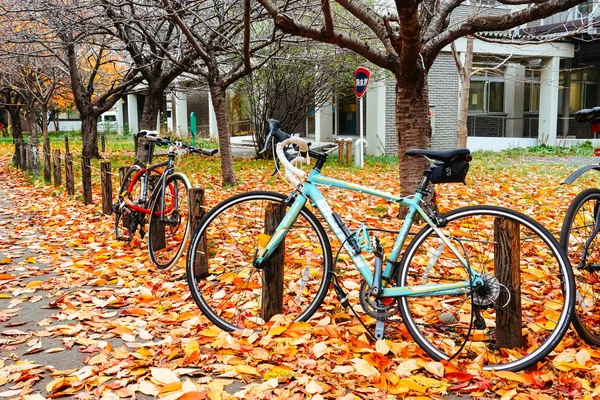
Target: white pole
x,y
360,146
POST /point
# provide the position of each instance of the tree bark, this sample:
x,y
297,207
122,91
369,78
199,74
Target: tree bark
x,y
89,135
465,86
413,127
17,132
152,105
220,105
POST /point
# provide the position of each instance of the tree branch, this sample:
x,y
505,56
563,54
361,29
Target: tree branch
x,y
495,23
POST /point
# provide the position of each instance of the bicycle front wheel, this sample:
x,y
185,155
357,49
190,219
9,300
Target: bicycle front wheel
x,y
169,224
516,317
230,291
579,237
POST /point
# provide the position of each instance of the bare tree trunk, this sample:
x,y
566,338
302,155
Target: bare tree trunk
x,y
152,105
413,128
89,135
465,86
17,131
219,103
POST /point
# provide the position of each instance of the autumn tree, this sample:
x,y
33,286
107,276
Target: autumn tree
x,y
79,36
156,46
231,39
404,38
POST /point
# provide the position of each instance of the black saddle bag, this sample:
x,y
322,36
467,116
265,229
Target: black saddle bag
x,y
450,172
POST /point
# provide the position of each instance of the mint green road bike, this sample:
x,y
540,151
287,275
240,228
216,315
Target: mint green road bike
x,y
483,282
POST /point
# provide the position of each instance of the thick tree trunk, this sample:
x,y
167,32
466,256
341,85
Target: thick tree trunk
x,y
219,103
413,127
465,86
89,135
152,104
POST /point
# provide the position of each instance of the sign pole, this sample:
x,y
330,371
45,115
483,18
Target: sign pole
x,y
361,82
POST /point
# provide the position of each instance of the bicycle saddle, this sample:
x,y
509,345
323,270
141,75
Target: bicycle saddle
x,y
441,155
587,115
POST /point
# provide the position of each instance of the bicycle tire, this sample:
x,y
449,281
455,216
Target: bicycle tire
x,y
576,229
174,221
444,325
230,289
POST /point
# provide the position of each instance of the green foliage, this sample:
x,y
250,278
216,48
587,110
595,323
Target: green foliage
x,y
585,149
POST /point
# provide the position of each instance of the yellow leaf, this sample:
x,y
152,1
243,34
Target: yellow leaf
x,y
191,347
30,260
170,387
263,239
5,261
33,284
4,296
279,373
212,331
246,369
277,330
412,385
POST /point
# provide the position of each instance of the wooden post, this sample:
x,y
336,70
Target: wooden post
x,y
47,165
18,162
67,144
86,180
272,290
69,176
122,187
103,140
507,249
197,211
57,167
348,151
106,180
340,143
158,230
35,159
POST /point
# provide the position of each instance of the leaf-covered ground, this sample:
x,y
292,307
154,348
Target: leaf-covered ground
x,y
83,315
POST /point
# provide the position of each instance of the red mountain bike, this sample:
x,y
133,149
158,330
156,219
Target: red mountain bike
x,y
579,237
167,206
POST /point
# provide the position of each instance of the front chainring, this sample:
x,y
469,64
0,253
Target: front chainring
x,y
378,308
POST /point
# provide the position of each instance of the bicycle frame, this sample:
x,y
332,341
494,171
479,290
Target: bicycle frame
x,y
144,175
310,191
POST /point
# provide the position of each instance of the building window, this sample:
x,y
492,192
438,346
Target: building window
x,y
583,89
532,91
486,93
69,115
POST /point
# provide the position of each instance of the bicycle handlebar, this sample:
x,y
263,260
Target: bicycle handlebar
x,y
166,141
283,140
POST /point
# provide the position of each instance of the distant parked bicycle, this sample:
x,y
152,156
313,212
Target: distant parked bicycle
x,y
485,282
579,237
167,206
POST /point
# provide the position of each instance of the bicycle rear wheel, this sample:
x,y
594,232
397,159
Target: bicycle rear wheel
x,y
579,233
521,312
126,220
223,280
169,225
